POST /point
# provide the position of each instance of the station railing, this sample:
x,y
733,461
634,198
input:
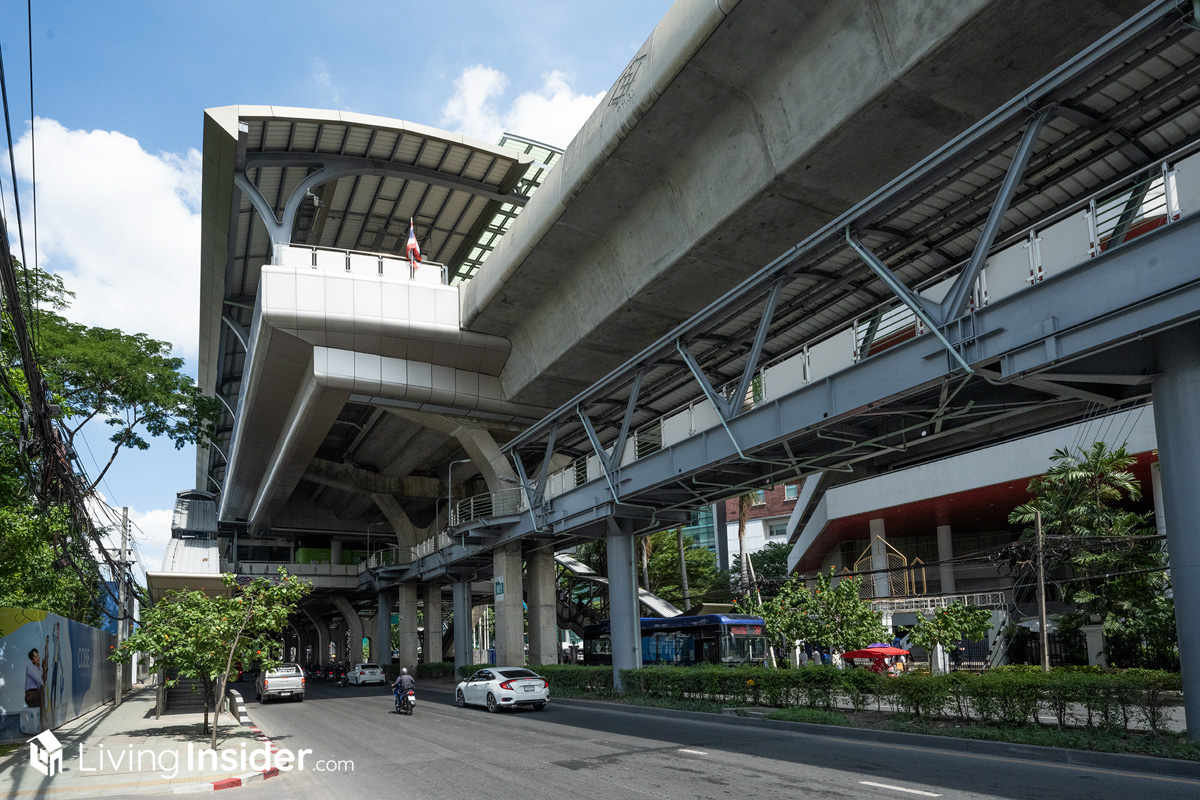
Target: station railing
x,y
357,262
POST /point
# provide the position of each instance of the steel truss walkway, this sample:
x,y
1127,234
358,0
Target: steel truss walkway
x,y
969,366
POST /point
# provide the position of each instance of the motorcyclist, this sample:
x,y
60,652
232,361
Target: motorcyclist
x,y
403,683
404,680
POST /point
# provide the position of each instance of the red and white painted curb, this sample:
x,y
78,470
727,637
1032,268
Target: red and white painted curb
x,y
236,780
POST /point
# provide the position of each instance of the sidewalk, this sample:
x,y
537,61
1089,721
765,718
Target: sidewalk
x,y
115,740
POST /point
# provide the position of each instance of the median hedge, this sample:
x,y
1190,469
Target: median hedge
x,y
1013,696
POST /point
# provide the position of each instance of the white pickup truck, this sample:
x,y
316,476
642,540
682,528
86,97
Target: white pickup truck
x,y
285,680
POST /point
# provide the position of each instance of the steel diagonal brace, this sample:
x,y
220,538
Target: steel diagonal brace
x,y
600,454
955,302
760,338
917,304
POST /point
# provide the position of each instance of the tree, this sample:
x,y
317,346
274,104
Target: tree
x,y
770,563
130,381
948,625
1116,563
664,568
201,636
833,615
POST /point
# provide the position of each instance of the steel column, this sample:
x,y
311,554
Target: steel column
x,y
624,623
1177,356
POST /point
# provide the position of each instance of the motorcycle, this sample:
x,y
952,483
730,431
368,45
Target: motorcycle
x,y
406,700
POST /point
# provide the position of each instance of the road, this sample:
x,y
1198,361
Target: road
x,y
580,751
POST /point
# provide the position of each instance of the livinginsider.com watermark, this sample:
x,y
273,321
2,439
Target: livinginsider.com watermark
x,y
44,757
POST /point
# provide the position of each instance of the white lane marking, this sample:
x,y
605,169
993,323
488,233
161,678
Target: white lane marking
x,y
899,789
693,752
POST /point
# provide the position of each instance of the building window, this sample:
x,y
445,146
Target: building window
x,y
777,529
791,491
759,497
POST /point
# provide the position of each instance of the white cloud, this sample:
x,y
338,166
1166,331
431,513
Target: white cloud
x,y
552,113
121,226
324,80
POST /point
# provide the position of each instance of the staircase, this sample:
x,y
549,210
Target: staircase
x,y
182,700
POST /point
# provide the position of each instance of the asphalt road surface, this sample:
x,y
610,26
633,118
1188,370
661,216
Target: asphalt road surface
x,y
567,751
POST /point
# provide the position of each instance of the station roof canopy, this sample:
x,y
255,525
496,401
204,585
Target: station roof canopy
x,y
376,175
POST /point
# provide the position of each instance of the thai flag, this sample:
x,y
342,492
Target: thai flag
x,y
414,250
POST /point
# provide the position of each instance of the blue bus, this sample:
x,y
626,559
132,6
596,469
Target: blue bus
x,y
707,639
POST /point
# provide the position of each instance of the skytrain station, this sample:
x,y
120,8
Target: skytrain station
x,y
889,261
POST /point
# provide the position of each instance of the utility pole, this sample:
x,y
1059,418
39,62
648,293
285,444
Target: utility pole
x,y
1043,634
121,612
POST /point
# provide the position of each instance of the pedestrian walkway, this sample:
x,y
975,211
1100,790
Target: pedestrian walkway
x,y
125,750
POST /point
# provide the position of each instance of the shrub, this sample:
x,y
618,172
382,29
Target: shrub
x,y
435,669
922,695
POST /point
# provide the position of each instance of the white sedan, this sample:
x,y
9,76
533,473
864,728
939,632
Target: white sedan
x,y
504,687
365,673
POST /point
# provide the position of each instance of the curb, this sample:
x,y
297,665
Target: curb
x,y
235,781
237,703
1122,762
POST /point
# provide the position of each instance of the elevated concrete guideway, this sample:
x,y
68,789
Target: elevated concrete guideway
x,y
736,130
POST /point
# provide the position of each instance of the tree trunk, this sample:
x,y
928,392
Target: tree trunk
x,y
743,516
683,576
208,692
646,563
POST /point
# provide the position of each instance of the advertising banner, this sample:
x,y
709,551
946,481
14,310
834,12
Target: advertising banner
x,y
52,670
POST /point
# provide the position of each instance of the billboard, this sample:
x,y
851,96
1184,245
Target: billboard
x,y
52,670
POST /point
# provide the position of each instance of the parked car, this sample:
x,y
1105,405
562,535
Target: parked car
x,y
504,687
366,673
286,680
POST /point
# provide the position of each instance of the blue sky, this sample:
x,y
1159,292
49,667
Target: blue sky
x,y
120,89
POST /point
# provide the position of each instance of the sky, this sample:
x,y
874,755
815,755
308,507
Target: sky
x,y
118,95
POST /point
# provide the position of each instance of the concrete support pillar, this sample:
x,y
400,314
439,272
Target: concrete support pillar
x,y
355,628
879,558
510,606
463,626
1177,357
381,651
542,595
433,622
408,638
945,553
335,551
624,621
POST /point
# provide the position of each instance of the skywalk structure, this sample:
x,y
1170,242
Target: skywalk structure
x,y
995,238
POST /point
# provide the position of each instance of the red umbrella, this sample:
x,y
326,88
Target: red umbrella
x,y
875,652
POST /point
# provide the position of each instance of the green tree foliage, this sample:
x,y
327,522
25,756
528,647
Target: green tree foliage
x,y
130,382
664,568
202,636
33,538
1116,567
950,624
829,614
770,564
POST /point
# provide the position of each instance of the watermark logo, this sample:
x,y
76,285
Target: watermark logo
x,y
46,752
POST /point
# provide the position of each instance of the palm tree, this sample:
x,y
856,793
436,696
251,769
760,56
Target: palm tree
x,y
744,502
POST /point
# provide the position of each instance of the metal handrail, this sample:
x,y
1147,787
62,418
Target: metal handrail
x,y
491,504
392,557
380,256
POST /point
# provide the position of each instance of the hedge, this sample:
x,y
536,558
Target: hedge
x,y
1013,696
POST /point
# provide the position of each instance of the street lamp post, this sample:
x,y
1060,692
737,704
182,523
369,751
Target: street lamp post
x,y
450,486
